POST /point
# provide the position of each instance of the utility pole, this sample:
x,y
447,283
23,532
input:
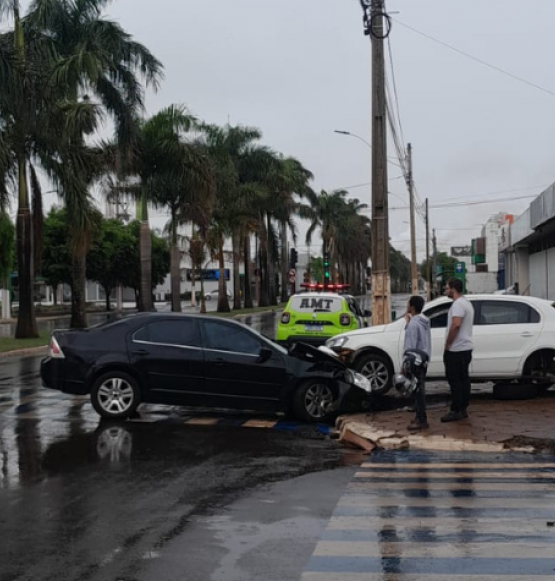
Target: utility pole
x,y
413,263
428,261
434,260
381,309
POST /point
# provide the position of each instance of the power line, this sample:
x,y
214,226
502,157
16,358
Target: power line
x,y
476,59
463,204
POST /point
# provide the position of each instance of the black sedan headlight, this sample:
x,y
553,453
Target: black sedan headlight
x,y
358,380
336,342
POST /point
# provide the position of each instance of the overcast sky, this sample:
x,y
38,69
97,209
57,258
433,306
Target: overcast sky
x,y
298,69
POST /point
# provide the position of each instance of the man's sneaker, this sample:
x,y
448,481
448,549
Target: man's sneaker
x,y
416,425
454,417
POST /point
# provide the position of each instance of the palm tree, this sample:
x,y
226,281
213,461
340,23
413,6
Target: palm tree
x,y
242,168
98,54
291,183
38,124
183,182
341,226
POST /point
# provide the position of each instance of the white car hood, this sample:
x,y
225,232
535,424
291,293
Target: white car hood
x,y
373,330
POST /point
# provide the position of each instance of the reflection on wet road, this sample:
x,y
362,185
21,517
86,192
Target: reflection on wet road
x,y
407,517
82,499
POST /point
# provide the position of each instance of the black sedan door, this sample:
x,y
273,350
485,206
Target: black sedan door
x,y
235,374
169,354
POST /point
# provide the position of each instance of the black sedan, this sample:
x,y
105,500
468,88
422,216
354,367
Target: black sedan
x,y
193,361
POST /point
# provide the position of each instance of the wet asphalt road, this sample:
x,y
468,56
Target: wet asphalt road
x,y
157,500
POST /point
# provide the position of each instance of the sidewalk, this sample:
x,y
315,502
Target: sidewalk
x,y
492,426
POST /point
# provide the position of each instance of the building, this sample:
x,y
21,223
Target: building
x,y
529,249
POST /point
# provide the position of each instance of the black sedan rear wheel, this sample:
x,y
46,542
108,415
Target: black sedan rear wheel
x,y
314,401
115,394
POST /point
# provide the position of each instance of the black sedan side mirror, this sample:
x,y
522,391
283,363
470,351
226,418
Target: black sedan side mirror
x,y
367,313
264,355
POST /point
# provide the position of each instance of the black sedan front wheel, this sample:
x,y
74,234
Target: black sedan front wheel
x,y
115,394
314,401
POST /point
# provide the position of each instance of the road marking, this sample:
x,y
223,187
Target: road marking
x,y
441,521
454,465
259,424
435,551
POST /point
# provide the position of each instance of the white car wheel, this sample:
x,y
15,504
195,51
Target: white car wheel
x,y
377,370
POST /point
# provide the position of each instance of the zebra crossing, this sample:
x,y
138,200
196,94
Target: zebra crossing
x,y
442,517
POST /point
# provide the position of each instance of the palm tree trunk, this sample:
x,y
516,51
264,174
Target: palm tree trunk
x,y
26,321
146,257
108,292
78,284
272,294
236,243
223,303
247,257
284,264
202,297
264,296
174,268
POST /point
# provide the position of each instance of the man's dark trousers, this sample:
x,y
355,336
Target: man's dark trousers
x,y
457,364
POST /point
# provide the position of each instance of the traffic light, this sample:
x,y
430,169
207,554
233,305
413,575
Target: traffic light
x,y
293,257
326,270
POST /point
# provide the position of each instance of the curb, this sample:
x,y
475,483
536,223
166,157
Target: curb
x,y
24,352
365,437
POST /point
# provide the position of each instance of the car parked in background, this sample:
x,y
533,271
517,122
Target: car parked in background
x,y
314,317
213,295
194,361
514,340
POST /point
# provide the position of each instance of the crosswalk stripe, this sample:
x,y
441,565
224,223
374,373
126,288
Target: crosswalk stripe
x,y
435,550
455,465
379,486
319,576
201,421
453,523
259,424
443,520
364,501
443,474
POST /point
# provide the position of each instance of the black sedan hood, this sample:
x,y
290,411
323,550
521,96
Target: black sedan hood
x,y
311,354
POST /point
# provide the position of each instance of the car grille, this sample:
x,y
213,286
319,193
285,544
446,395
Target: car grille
x,y
319,323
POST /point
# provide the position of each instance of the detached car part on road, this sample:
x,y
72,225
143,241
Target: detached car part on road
x,y
514,342
194,361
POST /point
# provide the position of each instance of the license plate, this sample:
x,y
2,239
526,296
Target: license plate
x,y
313,328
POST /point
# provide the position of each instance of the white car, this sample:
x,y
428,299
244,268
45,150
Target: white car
x,y
213,295
514,339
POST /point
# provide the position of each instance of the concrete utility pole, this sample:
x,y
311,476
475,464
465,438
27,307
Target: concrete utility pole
x,y
381,309
434,260
428,261
413,262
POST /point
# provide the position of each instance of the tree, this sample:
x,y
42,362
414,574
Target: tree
x,y
447,264
7,243
160,261
56,259
183,181
399,270
112,255
37,120
98,54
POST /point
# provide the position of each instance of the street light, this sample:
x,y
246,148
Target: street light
x,y
349,134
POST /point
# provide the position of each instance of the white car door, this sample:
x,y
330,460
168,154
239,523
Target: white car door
x,y
504,331
438,323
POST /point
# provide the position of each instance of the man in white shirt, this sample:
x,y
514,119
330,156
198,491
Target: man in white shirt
x,y
457,354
